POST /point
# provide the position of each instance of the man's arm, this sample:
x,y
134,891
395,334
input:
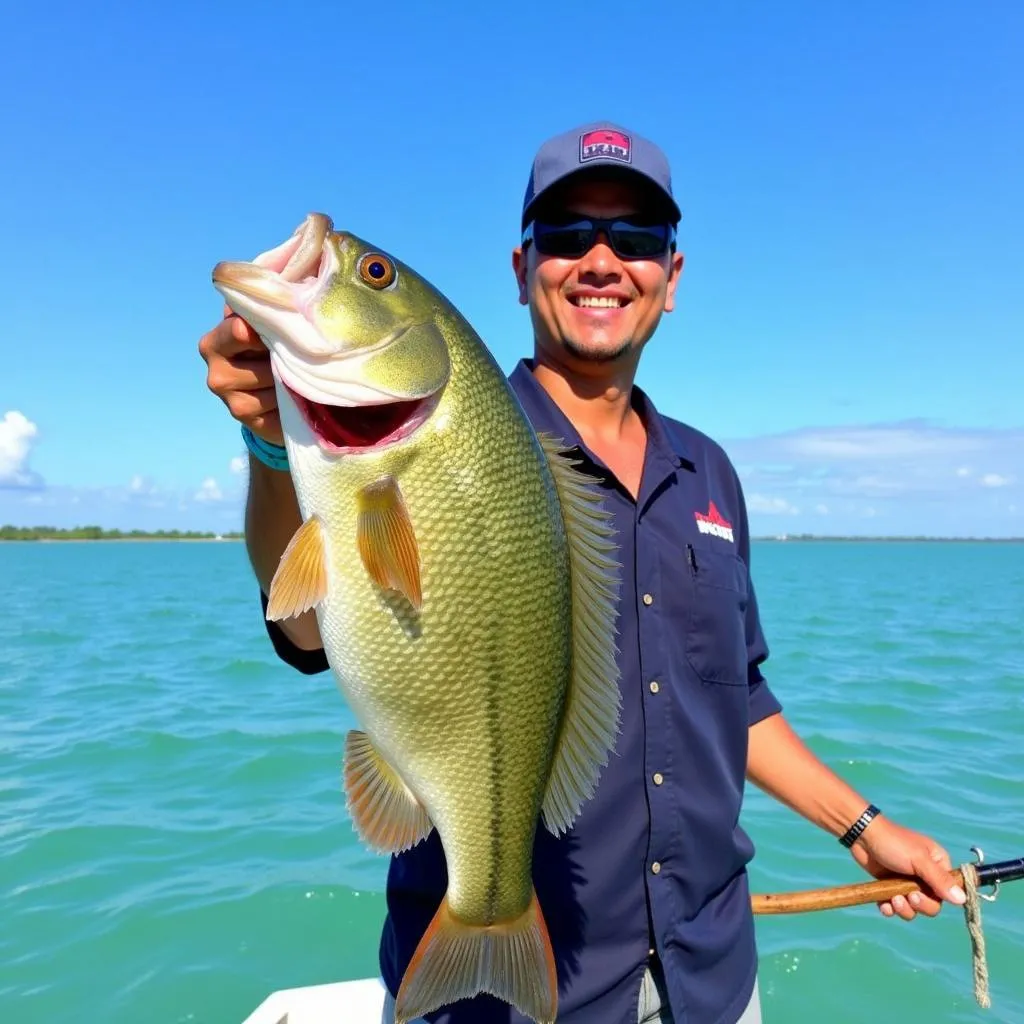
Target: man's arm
x,y
782,765
239,374
271,519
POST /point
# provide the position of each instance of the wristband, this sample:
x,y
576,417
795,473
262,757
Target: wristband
x,y
273,455
859,825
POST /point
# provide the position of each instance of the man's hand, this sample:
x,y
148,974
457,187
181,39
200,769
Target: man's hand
x,y
885,849
239,374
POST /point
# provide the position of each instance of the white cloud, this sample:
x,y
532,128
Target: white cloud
x,y
209,490
963,471
17,436
770,506
238,464
996,480
822,510
141,485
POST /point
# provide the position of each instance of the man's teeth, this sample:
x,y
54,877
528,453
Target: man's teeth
x,y
604,302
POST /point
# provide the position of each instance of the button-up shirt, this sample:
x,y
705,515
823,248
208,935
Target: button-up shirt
x,y
655,864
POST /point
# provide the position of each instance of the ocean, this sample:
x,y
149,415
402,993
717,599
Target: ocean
x,y
173,838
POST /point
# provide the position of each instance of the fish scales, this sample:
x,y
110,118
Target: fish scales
x,y
463,580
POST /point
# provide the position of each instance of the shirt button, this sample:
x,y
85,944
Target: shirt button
x,y
648,599
656,867
658,778
654,686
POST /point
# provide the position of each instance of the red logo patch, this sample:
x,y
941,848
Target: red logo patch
x,y
714,523
605,143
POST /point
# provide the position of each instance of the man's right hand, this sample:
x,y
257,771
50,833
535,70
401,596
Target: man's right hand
x,y
238,373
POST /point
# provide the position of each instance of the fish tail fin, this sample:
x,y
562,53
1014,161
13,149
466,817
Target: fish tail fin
x,y
512,960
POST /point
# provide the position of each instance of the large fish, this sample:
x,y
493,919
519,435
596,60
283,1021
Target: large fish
x,y
463,577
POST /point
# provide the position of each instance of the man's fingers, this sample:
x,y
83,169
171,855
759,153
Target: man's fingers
x,y
268,427
903,908
230,337
238,374
247,406
936,873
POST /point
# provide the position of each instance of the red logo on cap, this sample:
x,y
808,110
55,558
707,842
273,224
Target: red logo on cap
x,y
605,143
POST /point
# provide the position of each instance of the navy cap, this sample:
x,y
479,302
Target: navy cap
x,y
600,145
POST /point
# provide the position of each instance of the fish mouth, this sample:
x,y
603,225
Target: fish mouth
x,y
349,429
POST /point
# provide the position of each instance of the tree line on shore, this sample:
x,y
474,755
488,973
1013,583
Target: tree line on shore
x,y
8,532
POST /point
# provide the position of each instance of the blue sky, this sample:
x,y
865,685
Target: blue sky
x,y
851,316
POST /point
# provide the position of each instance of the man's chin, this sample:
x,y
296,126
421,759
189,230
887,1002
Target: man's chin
x,y
597,352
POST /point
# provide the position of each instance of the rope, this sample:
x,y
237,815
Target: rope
x,y
972,914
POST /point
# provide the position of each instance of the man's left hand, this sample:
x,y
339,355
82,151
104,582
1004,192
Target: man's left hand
x,y
886,849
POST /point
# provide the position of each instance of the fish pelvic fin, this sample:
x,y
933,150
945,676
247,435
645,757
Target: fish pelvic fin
x,y
590,723
454,960
385,812
300,582
387,541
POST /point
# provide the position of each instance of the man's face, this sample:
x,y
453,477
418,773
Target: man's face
x,y
559,291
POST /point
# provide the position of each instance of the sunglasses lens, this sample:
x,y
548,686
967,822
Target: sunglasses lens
x,y
629,240
563,239
637,242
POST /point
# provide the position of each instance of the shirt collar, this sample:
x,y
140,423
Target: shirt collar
x,y
543,412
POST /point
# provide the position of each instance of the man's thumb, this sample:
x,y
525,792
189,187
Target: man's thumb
x,y
941,880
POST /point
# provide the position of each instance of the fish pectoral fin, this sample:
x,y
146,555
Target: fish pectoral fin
x,y
387,541
454,960
300,582
590,723
385,812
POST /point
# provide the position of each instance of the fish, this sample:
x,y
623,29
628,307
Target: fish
x,y
463,573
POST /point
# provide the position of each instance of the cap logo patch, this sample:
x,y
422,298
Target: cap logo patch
x,y
607,144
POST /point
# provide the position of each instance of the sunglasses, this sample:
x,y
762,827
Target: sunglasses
x,y
629,238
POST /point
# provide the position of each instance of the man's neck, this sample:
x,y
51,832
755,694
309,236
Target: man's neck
x,y
599,405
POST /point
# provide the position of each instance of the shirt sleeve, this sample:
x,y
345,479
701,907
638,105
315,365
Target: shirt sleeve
x,y
762,702
309,663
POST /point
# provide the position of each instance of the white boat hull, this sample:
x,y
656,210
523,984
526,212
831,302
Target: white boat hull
x,y
342,1002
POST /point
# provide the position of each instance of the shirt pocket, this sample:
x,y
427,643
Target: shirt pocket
x,y
716,635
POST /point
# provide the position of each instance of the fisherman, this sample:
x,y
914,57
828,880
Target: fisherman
x,y
646,898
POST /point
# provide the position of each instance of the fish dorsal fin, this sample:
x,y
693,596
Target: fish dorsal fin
x,y
387,541
300,582
385,812
591,719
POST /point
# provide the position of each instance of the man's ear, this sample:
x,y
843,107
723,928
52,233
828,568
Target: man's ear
x,y
519,261
675,272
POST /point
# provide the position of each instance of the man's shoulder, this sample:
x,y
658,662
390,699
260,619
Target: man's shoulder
x,y
703,448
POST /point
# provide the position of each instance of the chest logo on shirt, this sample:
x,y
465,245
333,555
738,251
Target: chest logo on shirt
x,y
714,523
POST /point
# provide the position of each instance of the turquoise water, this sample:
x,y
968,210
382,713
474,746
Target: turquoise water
x,y
173,840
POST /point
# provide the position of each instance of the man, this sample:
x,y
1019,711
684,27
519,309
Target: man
x,y
646,898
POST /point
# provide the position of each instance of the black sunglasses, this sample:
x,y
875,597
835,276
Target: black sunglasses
x,y
629,238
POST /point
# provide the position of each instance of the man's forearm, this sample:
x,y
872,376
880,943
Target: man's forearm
x,y
271,518
781,764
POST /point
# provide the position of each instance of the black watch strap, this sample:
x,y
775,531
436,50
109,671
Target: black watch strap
x,y
855,830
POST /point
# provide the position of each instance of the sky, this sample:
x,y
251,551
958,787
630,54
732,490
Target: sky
x,y
850,321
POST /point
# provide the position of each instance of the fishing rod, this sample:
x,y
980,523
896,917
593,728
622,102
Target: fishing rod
x,y
972,877
987,875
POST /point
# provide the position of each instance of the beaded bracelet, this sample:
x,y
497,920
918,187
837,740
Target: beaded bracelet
x,y
855,830
273,455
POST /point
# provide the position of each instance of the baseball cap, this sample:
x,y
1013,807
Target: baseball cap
x,y
603,145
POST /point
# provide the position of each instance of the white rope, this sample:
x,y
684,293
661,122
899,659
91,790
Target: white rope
x,y
972,914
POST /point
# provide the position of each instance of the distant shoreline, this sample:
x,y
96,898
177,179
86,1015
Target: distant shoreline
x,y
112,540
80,535
855,539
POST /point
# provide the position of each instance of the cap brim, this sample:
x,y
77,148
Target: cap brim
x,y
612,170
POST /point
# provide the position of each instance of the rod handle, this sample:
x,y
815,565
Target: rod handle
x,y
838,896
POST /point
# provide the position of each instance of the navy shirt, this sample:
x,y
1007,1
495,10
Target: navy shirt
x,y
657,859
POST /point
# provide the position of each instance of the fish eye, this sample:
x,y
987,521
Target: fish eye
x,y
377,270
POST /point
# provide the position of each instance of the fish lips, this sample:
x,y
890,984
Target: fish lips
x,y
365,428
